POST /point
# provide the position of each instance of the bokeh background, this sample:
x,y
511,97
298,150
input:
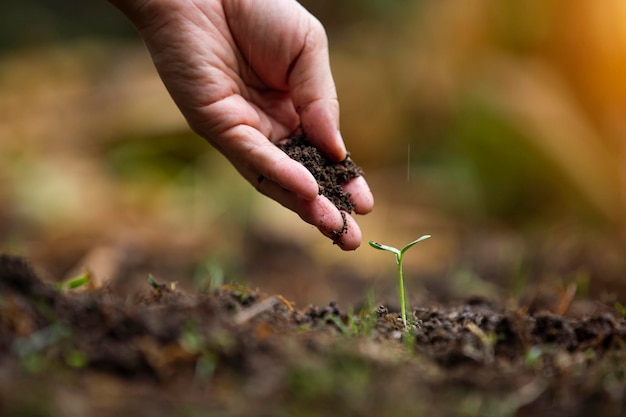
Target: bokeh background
x,y
497,127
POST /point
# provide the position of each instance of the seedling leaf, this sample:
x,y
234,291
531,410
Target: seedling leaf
x,y
404,249
380,246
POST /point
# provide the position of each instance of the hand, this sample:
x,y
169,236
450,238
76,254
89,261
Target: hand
x,y
246,74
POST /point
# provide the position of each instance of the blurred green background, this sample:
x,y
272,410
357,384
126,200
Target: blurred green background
x,y
498,127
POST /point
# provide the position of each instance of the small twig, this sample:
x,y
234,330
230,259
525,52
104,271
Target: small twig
x,y
487,340
251,312
285,302
566,299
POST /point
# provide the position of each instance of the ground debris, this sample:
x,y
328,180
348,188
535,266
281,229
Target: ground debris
x,y
213,349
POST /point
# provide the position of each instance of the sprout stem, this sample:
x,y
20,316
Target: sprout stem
x,y
403,305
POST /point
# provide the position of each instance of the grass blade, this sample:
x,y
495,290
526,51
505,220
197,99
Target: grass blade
x,y
73,283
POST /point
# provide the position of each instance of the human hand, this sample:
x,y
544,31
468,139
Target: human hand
x,y
245,74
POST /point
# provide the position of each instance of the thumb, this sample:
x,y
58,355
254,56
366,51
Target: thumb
x,y
314,95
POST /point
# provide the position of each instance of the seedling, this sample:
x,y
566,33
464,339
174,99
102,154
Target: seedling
x,y
399,253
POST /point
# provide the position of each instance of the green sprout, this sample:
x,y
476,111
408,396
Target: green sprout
x,y
155,285
399,253
74,282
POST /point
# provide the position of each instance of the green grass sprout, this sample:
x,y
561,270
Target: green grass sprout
x,y
620,308
74,282
399,253
155,285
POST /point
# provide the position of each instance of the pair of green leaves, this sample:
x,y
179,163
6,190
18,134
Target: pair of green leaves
x,y
399,254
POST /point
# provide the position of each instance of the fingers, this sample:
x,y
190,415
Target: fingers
x,y
350,238
288,182
360,195
340,227
256,157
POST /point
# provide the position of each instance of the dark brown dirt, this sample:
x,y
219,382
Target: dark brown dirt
x,y
230,351
329,175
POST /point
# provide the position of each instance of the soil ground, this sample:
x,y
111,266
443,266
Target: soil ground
x,y
231,351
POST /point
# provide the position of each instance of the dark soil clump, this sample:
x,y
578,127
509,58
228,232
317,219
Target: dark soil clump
x,y
329,175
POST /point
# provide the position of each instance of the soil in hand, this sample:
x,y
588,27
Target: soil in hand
x,y
329,175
